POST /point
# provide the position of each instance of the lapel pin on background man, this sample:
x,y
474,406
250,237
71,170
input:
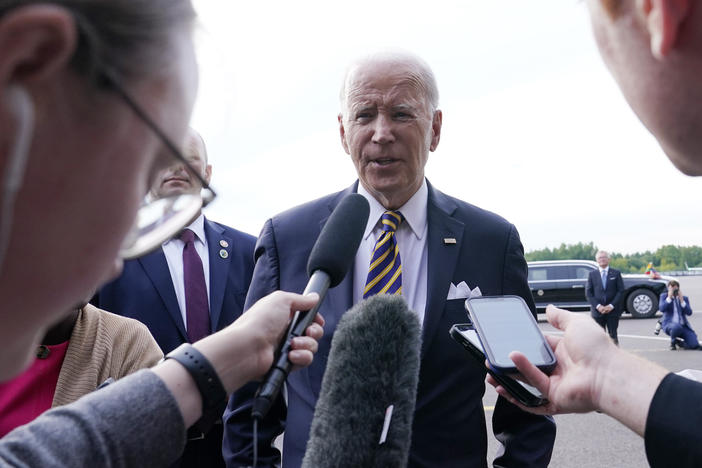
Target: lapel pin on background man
x,y
195,284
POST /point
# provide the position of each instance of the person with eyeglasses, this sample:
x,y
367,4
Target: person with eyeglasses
x,y
654,51
90,91
193,284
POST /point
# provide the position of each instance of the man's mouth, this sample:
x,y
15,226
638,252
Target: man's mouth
x,y
383,161
176,179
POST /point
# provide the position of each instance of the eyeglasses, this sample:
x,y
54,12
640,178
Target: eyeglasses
x,y
159,219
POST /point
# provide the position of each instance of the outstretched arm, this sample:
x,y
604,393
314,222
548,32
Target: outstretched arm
x,y
592,374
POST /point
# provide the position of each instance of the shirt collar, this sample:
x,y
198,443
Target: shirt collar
x,y
197,226
603,269
414,210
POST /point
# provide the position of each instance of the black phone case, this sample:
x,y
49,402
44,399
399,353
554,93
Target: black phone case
x,y
520,393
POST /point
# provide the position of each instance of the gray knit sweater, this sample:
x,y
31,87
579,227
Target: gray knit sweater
x,y
133,422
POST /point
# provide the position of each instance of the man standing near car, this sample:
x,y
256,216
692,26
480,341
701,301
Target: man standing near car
x,y
604,291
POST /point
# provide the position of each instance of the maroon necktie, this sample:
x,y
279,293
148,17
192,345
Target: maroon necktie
x,y
196,307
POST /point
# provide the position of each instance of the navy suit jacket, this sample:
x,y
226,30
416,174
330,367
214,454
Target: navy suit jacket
x,y
668,309
612,294
144,291
449,422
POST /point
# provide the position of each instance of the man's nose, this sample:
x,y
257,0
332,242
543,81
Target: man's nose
x,y
383,130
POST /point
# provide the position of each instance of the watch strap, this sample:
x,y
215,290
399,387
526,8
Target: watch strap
x,y
214,397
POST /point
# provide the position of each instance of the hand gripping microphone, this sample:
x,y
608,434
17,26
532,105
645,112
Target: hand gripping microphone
x,y
363,417
331,257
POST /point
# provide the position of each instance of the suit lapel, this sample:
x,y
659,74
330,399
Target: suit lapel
x,y
156,269
219,247
442,258
337,301
340,298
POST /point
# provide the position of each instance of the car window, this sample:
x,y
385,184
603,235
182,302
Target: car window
x,y
537,274
559,272
582,272
551,272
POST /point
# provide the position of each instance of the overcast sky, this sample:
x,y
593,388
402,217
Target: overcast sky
x,y
534,127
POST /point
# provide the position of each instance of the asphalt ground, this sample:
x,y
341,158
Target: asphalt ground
x,y
595,440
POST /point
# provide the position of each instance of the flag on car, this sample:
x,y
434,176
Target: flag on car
x,y
651,271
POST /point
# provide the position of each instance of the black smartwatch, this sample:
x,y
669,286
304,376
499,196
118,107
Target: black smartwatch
x,y
214,397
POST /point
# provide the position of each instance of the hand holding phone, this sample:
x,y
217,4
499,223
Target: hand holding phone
x,y
524,393
505,324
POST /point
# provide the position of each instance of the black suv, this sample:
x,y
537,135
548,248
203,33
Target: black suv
x,y
562,283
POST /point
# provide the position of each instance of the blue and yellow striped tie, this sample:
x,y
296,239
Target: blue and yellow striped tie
x,y
385,271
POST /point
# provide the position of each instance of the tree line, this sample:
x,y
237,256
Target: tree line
x,y
665,258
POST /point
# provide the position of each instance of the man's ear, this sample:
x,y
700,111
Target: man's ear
x,y
436,129
208,173
663,19
342,134
36,41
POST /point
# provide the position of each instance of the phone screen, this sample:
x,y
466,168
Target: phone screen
x,y
506,324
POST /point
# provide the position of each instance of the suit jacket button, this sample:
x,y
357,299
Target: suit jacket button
x,y
43,352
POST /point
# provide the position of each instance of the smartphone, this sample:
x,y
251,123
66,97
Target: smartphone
x,y
505,324
524,393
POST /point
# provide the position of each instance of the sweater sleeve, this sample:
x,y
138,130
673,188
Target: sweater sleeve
x,y
133,422
672,436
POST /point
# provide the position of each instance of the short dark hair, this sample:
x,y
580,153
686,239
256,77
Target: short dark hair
x,y
673,283
130,37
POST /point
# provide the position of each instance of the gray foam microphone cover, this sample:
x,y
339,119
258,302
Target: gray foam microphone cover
x,y
373,363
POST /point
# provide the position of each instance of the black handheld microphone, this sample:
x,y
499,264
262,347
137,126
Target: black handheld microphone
x,y
364,413
330,259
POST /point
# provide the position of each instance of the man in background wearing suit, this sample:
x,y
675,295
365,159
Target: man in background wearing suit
x,y
675,308
170,293
418,242
604,291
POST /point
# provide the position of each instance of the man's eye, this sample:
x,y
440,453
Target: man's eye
x,y
364,116
400,115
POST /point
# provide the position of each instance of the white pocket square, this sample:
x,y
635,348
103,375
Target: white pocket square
x,y
462,291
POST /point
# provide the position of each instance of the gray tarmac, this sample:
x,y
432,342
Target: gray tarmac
x,y
595,440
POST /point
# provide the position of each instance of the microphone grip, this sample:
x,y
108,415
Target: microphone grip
x,y
275,378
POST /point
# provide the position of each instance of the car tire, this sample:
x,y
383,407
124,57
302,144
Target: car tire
x,y
642,303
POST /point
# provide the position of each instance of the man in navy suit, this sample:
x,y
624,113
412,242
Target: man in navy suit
x,y
151,289
675,308
388,125
604,291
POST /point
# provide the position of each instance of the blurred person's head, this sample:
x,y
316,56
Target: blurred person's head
x,y
75,159
175,179
602,259
654,50
389,122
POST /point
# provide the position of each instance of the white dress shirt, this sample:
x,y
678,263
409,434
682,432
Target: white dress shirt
x,y
173,250
411,238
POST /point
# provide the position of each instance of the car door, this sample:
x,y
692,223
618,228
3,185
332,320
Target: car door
x,y
573,290
546,283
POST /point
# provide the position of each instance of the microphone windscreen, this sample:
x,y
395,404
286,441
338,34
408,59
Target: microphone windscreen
x,y
338,242
373,364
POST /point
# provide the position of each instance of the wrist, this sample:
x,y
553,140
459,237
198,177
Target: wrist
x,y
625,388
213,396
234,355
